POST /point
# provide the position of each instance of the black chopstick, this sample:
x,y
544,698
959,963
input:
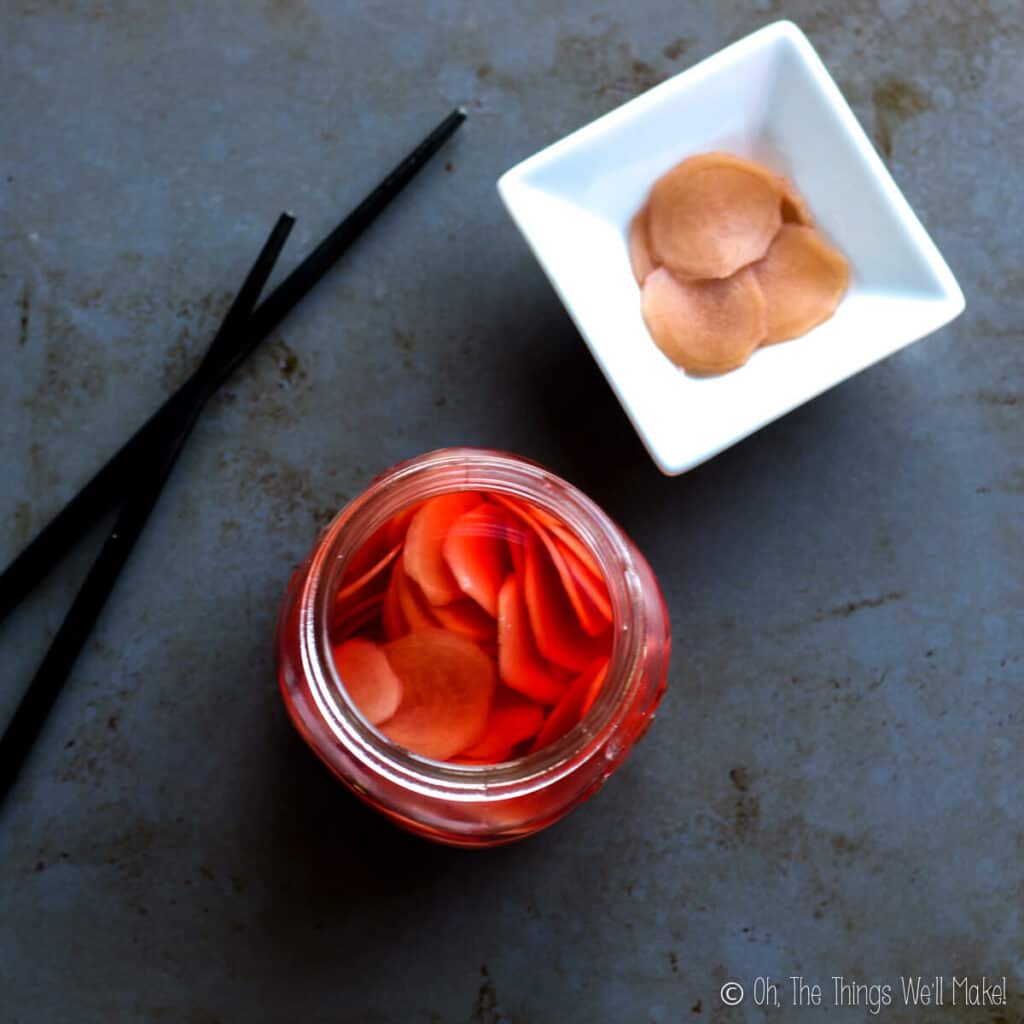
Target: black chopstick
x,y
102,491
230,335
48,681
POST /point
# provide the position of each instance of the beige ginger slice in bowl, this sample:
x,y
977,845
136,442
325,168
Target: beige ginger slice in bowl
x,y
803,280
706,327
712,215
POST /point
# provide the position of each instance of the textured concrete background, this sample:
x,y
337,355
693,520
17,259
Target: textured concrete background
x,y
833,785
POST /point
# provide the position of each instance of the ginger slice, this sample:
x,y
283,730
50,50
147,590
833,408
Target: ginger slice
x,y
705,327
713,214
513,720
803,280
468,618
569,540
417,611
594,690
392,617
553,622
354,588
423,555
586,591
448,686
570,709
356,616
520,665
640,258
476,550
369,679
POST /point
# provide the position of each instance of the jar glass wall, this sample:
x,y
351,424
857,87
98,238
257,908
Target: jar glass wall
x,y
473,804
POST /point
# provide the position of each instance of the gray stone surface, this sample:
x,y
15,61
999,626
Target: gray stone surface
x,y
833,785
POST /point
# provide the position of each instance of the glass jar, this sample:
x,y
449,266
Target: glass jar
x,y
470,804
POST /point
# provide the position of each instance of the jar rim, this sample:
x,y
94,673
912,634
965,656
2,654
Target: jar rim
x,y
442,471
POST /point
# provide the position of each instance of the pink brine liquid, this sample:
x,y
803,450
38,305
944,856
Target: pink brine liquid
x,y
472,628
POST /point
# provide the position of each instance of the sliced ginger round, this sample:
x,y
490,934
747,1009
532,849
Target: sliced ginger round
x,y
476,550
448,686
640,258
423,554
570,709
513,720
713,214
520,665
803,279
705,327
369,679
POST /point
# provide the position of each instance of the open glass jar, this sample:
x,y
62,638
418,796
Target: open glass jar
x,y
473,804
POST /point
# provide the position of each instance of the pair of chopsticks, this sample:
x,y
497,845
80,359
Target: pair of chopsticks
x,y
134,477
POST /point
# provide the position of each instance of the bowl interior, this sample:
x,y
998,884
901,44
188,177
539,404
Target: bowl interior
x,y
770,98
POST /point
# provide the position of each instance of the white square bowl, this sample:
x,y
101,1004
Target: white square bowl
x,y
770,98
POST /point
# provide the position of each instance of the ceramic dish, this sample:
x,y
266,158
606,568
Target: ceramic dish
x,y
770,98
